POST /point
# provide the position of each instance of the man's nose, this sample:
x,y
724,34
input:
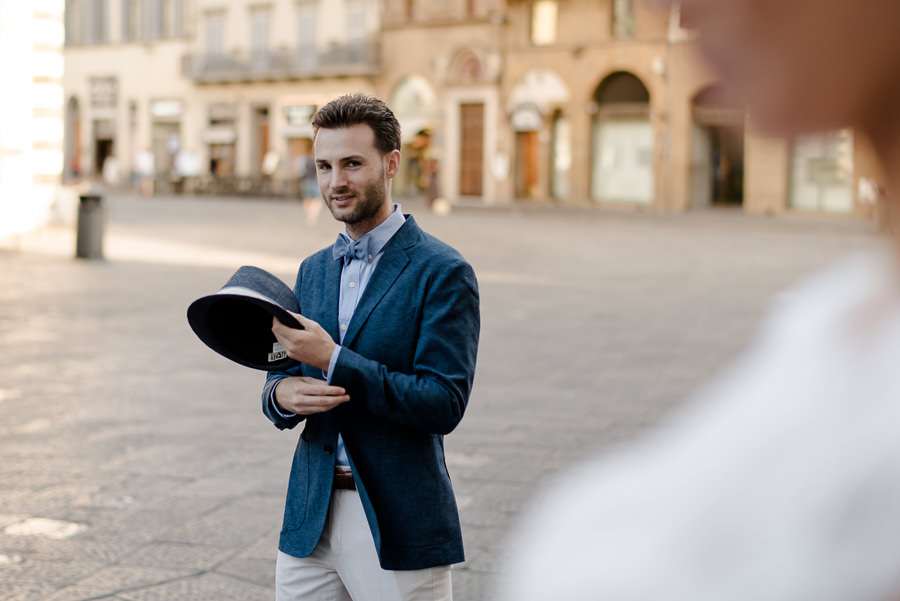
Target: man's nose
x,y
338,178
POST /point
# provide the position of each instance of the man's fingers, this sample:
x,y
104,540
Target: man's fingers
x,y
310,405
306,323
320,390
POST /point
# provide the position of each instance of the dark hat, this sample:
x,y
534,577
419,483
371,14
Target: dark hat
x,y
236,321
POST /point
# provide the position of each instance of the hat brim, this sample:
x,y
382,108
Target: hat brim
x,y
239,327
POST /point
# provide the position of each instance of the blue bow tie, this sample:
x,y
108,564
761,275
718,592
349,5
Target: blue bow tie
x,y
347,249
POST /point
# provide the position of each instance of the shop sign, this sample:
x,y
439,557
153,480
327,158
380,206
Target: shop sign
x,y
299,114
104,129
827,171
220,135
104,91
162,109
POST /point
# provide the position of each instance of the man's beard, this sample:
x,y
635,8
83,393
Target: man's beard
x,y
367,204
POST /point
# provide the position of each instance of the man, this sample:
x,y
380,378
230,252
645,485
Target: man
x,y
387,353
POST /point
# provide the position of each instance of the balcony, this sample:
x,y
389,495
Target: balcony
x,y
360,59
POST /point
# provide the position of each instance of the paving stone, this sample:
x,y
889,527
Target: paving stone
x,y
256,570
178,555
113,580
206,587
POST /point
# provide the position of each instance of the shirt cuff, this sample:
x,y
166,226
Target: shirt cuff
x,y
275,406
332,362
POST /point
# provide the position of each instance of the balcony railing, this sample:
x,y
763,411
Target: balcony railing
x,y
361,58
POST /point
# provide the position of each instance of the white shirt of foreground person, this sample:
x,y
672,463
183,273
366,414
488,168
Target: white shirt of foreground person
x,y
780,483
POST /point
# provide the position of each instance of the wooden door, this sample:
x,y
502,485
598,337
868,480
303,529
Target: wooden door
x,y
471,173
527,149
263,143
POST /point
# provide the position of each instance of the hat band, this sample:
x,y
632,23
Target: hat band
x,y
240,290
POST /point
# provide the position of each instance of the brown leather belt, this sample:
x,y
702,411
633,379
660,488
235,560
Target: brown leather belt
x,y
343,480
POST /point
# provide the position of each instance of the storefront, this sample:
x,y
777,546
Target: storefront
x,y
821,176
165,123
542,147
104,95
622,165
221,138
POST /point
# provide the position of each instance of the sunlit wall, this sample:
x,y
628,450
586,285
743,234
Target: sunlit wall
x,y
31,112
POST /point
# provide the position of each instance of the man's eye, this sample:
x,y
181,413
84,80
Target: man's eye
x,y
324,167
353,164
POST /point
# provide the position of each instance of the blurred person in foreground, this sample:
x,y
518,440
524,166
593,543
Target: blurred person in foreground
x,y
782,481
388,346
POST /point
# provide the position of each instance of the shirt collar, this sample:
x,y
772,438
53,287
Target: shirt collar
x,y
378,238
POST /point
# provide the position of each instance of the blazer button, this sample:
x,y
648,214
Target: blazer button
x,y
329,449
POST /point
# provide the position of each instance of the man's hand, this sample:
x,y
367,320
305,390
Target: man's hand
x,y
311,345
306,396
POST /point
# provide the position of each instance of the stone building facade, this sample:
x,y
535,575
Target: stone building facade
x,y
31,114
584,102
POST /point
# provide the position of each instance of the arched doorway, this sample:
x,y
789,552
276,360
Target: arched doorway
x,y
72,148
717,150
622,166
414,101
541,131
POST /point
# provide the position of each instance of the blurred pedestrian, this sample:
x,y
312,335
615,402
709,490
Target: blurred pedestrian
x,y
145,166
370,511
305,167
782,481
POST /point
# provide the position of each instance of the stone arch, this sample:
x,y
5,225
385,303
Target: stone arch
x,y
542,87
622,92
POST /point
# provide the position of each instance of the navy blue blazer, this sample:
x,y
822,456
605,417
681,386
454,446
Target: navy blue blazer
x,y
407,362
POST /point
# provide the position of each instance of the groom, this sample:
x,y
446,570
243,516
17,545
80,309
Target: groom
x,y
387,353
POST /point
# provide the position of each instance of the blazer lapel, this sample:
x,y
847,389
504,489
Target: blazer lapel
x,y
332,298
390,266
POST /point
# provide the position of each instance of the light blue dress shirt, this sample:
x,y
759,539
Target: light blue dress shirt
x,y
355,276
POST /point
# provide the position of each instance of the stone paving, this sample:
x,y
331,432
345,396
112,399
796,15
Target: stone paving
x,y
135,464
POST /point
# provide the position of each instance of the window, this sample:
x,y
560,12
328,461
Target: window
x,y
822,173
74,22
307,34
259,38
97,22
543,22
356,21
166,15
152,19
177,21
623,18
215,25
130,18
679,23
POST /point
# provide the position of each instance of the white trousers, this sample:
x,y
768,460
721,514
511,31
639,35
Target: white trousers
x,y
344,566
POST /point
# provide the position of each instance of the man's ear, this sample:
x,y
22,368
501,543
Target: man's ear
x,y
392,165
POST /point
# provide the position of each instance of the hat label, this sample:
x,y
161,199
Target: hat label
x,y
278,353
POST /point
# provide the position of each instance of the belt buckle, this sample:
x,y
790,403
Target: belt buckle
x,y
343,480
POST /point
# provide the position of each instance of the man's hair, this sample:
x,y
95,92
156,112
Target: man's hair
x,y
356,109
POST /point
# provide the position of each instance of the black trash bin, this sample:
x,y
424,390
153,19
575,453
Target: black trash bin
x,y
89,239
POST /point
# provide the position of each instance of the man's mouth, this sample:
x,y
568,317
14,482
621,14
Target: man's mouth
x,y
341,198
